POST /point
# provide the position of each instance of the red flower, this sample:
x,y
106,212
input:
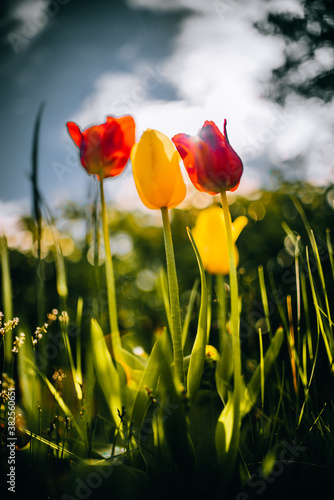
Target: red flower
x,y
105,149
213,166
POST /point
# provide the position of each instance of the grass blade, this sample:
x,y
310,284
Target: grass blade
x,y
62,405
253,388
38,216
330,249
318,313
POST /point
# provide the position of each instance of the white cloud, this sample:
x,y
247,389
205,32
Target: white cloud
x,y
170,5
32,15
216,69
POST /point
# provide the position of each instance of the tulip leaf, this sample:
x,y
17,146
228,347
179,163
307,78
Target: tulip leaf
x,y
191,302
167,413
134,362
196,364
174,420
224,366
149,379
224,430
133,367
106,373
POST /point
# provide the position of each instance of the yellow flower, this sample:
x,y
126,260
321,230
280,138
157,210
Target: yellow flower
x,y
211,352
156,171
211,239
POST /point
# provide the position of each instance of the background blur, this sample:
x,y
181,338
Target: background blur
x,y
172,65
265,66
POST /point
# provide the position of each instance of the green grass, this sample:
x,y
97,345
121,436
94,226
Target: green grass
x,y
124,421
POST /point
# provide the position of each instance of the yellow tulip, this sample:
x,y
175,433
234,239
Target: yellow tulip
x,y
211,239
156,171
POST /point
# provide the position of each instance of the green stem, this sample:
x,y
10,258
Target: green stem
x,y
7,303
110,279
235,334
209,291
173,297
221,311
261,368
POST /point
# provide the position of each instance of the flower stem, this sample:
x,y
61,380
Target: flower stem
x,y
173,297
110,279
235,334
221,310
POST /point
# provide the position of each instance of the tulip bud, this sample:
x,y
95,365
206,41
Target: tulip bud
x,y
105,149
212,164
211,239
156,171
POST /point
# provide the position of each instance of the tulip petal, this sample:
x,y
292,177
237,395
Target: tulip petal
x,y
211,239
105,149
135,159
156,170
128,127
91,155
212,164
238,225
193,157
75,133
211,134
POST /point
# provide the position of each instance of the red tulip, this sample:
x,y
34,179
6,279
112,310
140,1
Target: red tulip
x,y
212,164
105,149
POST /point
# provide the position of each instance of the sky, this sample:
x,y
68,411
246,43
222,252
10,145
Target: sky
x,y
172,64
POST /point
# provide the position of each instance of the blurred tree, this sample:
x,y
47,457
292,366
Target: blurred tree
x,y
308,69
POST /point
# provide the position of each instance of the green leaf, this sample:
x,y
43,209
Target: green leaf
x,y
224,430
175,423
106,372
224,365
196,364
149,379
268,463
133,361
187,319
168,416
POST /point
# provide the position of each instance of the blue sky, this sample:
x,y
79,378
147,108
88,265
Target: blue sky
x,y
171,64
